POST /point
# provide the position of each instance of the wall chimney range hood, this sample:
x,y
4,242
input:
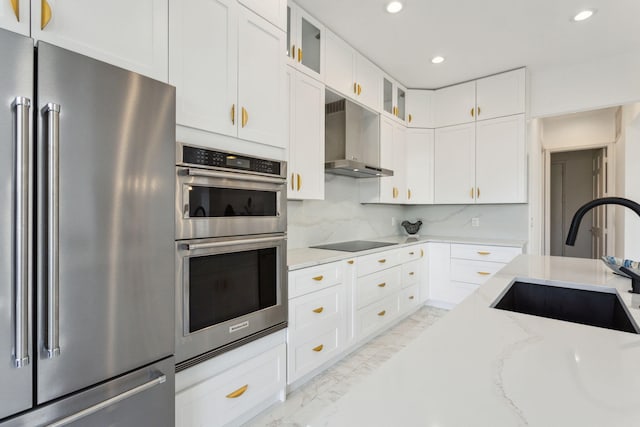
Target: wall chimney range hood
x,y
352,139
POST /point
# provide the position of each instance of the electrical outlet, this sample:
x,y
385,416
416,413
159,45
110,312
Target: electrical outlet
x,y
394,221
475,222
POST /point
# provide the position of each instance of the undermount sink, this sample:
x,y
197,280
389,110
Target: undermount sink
x,y
594,308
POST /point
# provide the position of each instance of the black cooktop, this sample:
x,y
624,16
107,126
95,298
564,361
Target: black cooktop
x,y
353,246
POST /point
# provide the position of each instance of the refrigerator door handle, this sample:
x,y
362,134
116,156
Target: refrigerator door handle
x,y
22,218
52,345
159,379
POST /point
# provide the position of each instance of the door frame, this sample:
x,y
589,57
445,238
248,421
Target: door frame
x,y
546,191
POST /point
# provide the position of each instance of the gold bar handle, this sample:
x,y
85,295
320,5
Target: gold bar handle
x,y
245,117
318,278
292,181
299,182
410,118
45,14
233,114
15,5
318,348
411,297
350,262
382,313
479,111
411,273
382,261
239,392
359,89
293,51
473,112
411,253
484,253
483,273
382,285
471,193
318,310
421,253
355,88
409,194
478,193
299,55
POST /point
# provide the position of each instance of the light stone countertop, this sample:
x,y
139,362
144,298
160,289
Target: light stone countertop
x,y
479,366
308,257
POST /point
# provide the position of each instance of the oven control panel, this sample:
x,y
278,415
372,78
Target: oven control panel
x,y
210,158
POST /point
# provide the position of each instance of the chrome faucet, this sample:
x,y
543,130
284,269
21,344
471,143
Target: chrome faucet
x,y
575,225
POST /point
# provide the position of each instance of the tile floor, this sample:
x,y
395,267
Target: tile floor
x,y
304,403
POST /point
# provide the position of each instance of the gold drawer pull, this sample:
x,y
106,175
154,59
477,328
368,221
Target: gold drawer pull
x,y
233,114
318,348
421,253
484,253
483,273
350,261
318,278
382,285
318,310
239,392
411,253
355,88
411,297
382,261
411,273
382,313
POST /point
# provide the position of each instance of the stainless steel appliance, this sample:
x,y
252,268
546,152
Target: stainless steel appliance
x,y
231,270
86,246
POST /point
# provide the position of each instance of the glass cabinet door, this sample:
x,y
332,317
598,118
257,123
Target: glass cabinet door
x,y
387,104
401,99
310,39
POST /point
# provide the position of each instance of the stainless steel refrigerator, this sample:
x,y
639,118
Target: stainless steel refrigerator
x,y
86,241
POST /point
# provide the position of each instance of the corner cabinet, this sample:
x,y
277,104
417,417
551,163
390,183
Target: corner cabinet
x,y
420,108
306,137
15,16
227,66
130,34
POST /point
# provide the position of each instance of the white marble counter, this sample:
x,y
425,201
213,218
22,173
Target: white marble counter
x,y
480,366
307,257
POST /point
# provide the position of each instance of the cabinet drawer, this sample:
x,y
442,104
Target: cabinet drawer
x,y
376,316
477,272
313,309
312,279
410,273
485,253
375,262
224,397
408,298
308,352
378,285
409,253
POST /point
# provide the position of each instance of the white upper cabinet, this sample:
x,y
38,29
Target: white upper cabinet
x,y
129,34
501,142
274,11
203,63
420,108
455,104
501,95
261,81
394,99
419,163
454,170
306,138
15,15
305,42
367,80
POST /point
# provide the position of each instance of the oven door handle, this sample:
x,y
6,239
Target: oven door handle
x,y
234,176
196,246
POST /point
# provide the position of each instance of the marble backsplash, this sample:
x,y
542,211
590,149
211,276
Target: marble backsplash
x,y
341,217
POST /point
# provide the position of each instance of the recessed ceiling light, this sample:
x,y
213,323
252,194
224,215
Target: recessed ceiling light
x,y
584,15
437,59
394,7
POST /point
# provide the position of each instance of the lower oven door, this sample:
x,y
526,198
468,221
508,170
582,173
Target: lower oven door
x,y
228,289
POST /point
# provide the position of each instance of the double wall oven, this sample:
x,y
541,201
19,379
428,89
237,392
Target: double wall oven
x,y
231,272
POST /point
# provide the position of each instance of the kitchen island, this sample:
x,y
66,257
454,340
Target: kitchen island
x,y
481,366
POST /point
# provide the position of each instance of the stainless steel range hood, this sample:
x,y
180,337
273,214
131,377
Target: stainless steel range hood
x,y
352,140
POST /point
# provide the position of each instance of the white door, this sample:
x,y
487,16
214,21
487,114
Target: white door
x,y
368,78
388,189
130,34
501,160
419,166
274,11
420,108
454,169
455,104
15,15
501,95
307,142
261,81
203,63
339,65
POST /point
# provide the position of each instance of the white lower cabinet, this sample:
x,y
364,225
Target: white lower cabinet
x,y
231,388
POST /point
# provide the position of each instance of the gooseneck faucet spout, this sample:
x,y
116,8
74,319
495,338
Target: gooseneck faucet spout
x,y
577,217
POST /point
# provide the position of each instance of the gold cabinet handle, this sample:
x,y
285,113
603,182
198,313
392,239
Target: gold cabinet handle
x,y
355,88
292,182
239,392
411,273
359,89
409,194
411,297
233,114
471,193
411,253
318,278
318,348
318,310
483,273
45,14
473,112
484,253
245,117
382,313
293,51
15,5
382,261
421,253
410,118
299,182
382,285
478,111
478,193
299,55
350,262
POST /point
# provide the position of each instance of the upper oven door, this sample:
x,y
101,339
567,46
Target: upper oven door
x,y
211,203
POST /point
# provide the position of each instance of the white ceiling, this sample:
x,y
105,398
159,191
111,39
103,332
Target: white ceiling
x,y
479,37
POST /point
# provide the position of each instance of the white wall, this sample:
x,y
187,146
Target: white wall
x,y
580,130
630,135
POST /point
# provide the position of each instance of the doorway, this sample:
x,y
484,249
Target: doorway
x,y
576,177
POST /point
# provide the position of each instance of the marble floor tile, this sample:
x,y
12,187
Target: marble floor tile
x,y
329,386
